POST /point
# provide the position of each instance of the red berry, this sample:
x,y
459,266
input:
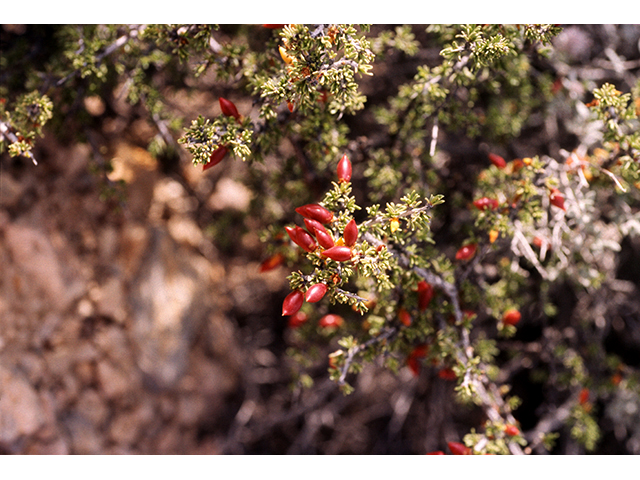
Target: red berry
x,y
272,262
413,360
315,212
584,396
497,160
324,238
315,293
216,157
437,452
511,430
350,234
338,253
447,374
330,321
511,317
301,238
557,199
297,319
485,203
344,169
290,106
292,302
229,108
466,252
458,448
425,294
404,317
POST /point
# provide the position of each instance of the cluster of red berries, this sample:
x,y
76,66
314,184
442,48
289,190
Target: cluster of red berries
x,y
314,237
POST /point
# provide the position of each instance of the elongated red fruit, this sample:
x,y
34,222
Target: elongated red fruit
x,y
447,374
350,234
404,317
338,253
497,160
292,302
511,317
229,108
344,169
485,203
557,199
458,448
297,319
511,430
216,157
437,452
272,262
425,294
301,238
331,320
466,252
273,25
315,212
413,360
315,293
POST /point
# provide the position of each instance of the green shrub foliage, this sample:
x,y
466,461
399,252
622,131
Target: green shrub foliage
x,y
437,280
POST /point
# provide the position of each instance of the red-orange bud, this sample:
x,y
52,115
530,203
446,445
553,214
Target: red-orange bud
x,y
511,430
338,253
404,317
485,203
344,169
425,294
466,252
315,293
458,448
315,212
228,108
272,262
292,302
511,317
331,320
301,238
350,234
216,157
497,160
557,199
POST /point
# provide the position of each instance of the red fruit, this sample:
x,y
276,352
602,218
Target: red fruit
x,y
511,430
344,169
350,234
297,319
331,321
497,160
229,108
338,253
301,238
273,25
404,317
485,203
425,294
458,448
272,262
447,374
292,302
315,212
324,238
216,157
511,317
290,106
413,360
557,199
315,293
466,252
584,396
437,452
